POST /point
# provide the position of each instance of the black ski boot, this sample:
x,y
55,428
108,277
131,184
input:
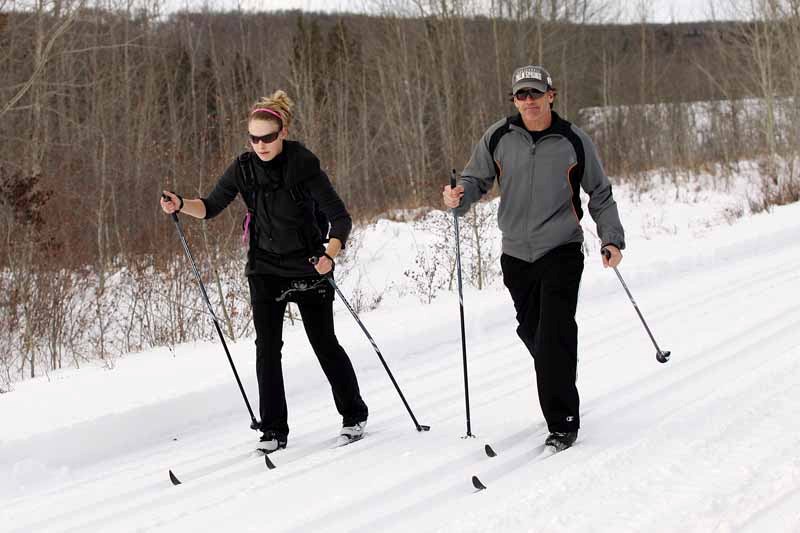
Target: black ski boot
x,y
561,441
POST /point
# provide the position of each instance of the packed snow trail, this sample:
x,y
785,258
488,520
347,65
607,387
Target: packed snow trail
x,y
707,441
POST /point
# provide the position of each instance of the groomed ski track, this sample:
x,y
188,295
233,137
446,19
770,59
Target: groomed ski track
x,y
706,442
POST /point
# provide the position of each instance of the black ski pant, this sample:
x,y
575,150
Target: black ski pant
x,y
545,295
316,311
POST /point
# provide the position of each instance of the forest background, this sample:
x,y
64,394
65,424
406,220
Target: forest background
x,y
104,103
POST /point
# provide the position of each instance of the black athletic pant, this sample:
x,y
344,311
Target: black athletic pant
x,y
545,295
316,311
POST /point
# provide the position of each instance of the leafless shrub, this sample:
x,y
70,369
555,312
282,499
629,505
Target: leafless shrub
x,y
779,184
732,213
435,263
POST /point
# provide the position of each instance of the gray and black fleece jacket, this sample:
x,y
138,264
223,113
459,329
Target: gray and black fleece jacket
x,y
540,207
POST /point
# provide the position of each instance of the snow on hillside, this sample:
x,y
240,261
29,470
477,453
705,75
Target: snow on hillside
x,y
701,116
706,442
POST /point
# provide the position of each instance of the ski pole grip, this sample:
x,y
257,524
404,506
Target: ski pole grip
x,y
175,213
453,179
314,260
606,253
168,199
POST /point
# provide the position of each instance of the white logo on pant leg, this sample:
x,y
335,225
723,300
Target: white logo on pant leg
x,y
570,418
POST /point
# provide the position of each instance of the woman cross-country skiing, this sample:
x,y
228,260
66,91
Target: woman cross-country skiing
x,y
284,189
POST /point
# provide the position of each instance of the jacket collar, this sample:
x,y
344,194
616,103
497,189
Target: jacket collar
x,y
558,125
301,163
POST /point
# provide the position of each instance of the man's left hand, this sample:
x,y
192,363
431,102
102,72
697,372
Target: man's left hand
x,y
611,256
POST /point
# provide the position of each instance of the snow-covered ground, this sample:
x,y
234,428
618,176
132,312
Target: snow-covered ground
x,y
706,442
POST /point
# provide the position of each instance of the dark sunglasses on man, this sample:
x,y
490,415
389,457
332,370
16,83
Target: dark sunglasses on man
x,y
266,139
524,94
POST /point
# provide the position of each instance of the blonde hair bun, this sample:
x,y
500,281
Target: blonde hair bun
x,y
278,102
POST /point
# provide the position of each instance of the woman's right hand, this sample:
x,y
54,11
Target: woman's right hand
x,y
170,202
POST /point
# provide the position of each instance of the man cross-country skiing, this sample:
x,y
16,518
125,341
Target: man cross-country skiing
x,y
539,161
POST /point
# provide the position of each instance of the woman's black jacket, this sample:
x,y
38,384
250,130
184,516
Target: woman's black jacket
x,y
281,195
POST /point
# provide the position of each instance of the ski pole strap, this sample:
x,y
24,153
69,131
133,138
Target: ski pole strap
x,y
315,260
167,198
605,252
246,228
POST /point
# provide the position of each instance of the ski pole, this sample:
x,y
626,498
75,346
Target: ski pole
x,y
662,357
253,422
314,260
461,311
